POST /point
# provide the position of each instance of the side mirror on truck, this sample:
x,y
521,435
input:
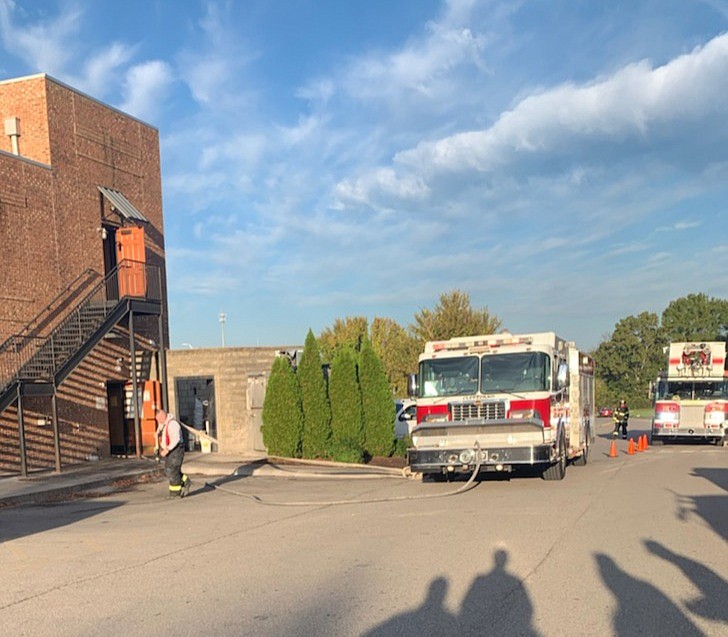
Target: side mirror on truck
x,y
412,386
562,376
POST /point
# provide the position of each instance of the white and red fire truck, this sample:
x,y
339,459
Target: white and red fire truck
x,y
502,400
691,399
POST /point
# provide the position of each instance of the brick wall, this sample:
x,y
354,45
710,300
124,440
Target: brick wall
x,y
230,368
50,233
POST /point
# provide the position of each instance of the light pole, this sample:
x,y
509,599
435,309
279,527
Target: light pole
x,y
222,327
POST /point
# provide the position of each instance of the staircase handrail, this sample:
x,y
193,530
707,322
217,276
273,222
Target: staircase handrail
x,y
47,310
12,357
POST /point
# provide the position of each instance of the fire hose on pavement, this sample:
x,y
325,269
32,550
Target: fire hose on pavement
x,y
308,503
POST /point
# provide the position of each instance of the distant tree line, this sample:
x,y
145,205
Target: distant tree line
x,y
631,357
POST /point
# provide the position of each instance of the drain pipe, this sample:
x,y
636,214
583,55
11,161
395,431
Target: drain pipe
x,y
12,130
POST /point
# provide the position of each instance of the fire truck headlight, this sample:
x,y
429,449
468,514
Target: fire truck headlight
x,y
467,456
525,414
435,418
714,415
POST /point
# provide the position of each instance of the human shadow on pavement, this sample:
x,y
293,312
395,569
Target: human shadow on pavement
x,y
432,618
713,509
713,588
497,603
642,608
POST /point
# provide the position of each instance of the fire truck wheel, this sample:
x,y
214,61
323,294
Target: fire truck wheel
x,y
557,471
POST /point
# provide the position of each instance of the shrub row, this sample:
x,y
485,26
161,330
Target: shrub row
x,y
347,419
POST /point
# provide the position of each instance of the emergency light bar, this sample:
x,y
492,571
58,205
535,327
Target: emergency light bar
x,y
480,344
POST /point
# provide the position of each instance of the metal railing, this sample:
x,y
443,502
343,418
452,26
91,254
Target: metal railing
x,y
39,358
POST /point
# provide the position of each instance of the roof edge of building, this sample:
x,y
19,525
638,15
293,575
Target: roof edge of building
x,y
27,160
50,78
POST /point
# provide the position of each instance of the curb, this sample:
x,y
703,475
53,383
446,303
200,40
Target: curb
x,y
47,494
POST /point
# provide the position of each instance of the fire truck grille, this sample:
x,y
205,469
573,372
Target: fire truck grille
x,y
478,411
691,416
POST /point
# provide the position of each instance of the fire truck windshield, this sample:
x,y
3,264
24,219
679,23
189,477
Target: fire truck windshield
x,y
449,376
513,372
520,372
692,390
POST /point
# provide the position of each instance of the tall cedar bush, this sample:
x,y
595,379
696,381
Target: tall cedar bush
x,y
377,403
315,402
346,412
282,415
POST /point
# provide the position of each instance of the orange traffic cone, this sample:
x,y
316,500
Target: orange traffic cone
x,y
646,443
613,450
630,447
640,445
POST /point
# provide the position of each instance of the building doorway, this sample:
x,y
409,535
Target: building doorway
x,y
118,434
256,395
196,407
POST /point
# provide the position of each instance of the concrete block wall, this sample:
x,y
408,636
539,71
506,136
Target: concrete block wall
x,y
230,368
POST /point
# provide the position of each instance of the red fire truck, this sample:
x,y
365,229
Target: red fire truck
x,y
499,401
691,399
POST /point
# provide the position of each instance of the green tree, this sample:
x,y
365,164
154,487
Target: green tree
x,y
377,403
348,332
630,359
314,401
346,411
695,317
397,350
453,316
282,415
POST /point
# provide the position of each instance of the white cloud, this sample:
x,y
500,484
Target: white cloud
x,y
47,46
626,104
101,69
213,69
145,86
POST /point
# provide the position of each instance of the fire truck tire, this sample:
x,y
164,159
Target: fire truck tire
x,y
557,471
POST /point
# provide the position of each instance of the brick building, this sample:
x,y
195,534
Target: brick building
x,y
82,276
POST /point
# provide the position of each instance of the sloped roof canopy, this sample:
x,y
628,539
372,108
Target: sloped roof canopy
x,y
122,206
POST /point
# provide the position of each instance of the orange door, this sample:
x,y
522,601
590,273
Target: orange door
x,y
131,259
152,400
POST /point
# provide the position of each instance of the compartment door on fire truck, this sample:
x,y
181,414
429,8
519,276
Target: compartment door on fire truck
x,y
131,258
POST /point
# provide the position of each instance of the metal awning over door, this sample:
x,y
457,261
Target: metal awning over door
x,y
122,206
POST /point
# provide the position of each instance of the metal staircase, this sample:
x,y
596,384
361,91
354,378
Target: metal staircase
x,y
34,363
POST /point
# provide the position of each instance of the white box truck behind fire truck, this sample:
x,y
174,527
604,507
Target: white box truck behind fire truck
x,y
691,399
500,401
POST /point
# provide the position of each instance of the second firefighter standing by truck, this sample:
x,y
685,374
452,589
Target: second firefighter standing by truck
x,y
172,449
621,416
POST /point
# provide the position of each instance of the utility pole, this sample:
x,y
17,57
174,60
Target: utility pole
x,y
222,327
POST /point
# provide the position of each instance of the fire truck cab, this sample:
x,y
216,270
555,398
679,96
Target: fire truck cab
x,y
691,398
497,401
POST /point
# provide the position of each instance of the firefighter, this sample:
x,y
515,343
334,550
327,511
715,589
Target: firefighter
x,y
621,416
172,449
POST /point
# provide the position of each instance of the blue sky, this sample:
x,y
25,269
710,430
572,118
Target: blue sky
x,y
563,162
